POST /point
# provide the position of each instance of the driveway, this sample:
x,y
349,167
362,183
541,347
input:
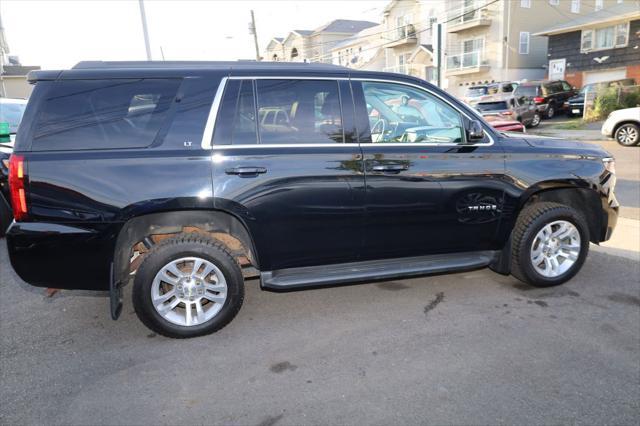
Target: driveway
x,y
468,348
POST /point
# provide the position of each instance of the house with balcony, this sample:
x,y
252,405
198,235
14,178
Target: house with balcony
x,y
409,39
314,45
363,50
499,40
603,45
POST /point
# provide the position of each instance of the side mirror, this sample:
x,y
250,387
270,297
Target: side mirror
x,y
5,132
474,130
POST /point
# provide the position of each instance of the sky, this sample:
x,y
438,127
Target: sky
x,y
58,34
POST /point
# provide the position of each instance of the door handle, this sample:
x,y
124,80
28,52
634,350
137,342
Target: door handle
x,y
390,168
246,171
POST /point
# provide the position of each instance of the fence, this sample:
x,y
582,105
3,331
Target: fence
x,y
599,102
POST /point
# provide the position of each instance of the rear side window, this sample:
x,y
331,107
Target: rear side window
x,y
101,114
491,106
299,111
527,91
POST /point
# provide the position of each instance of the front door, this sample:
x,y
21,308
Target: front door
x,y
287,162
427,190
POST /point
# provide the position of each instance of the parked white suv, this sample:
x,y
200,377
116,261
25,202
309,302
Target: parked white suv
x,y
624,126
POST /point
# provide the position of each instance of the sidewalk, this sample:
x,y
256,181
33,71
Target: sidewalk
x,y
556,128
625,240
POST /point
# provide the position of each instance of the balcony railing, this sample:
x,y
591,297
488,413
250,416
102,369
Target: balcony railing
x,y
403,35
468,17
466,62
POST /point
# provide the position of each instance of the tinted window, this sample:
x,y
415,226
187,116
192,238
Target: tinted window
x,y
476,91
527,91
508,88
491,106
493,89
566,87
398,113
98,114
11,113
299,111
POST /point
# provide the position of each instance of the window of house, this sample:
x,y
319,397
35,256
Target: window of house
x,y
402,114
525,3
294,53
523,46
100,114
299,111
605,37
554,2
599,4
575,6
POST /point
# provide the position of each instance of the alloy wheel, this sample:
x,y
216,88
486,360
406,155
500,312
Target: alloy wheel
x,y
555,248
189,291
627,135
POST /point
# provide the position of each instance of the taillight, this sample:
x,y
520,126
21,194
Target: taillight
x,y
17,178
538,100
506,113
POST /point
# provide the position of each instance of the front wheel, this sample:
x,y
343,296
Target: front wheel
x,y
628,134
188,286
550,243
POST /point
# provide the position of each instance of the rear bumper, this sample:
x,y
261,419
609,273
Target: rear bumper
x,y
61,256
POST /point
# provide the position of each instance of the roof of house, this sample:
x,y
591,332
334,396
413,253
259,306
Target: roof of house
x,y
278,39
344,26
628,10
17,70
303,32
357,37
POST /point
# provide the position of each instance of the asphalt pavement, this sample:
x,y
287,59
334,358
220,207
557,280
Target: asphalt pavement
x,y
467,348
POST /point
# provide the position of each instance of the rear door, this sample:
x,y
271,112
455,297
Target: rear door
x,y
427,190
287,163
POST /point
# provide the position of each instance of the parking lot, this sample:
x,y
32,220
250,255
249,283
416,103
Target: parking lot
x,y
468,348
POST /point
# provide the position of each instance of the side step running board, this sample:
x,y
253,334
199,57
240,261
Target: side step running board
x,y
315,276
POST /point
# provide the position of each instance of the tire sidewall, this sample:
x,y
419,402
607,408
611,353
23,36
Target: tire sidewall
x,y
529,236
146,274
637,129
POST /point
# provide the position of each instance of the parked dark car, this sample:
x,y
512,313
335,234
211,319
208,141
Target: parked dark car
x,y
11,111
548,96
575,104
168,175
522,110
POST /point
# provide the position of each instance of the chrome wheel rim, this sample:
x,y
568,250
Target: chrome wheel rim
x,y
536,120
188,291
627,135
555,249
550,112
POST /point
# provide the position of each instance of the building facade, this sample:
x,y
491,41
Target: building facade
x,y
499,40
603,46
313,45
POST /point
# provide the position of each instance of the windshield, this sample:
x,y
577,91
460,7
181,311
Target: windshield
x,y
11,113
491,106
476,91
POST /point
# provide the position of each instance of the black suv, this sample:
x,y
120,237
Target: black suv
x,y
549,96
187,178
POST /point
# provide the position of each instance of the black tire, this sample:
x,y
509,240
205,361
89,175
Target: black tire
x,y
535,121
186,245
530,221
624,134
551,111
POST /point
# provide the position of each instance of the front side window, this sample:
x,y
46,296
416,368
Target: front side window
x,y
299,111
100,114
402,114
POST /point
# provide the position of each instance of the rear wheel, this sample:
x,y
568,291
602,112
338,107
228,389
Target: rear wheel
x,y
550,244
188,286
535,120
628,134
551,111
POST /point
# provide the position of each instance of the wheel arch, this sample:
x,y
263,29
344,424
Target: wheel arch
x,y
220,225
622,123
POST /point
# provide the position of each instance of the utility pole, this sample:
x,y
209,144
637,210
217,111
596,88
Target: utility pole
x,y
252,30
145,31
439,35
4,49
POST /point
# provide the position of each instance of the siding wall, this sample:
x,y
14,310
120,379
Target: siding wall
x,y
568,46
